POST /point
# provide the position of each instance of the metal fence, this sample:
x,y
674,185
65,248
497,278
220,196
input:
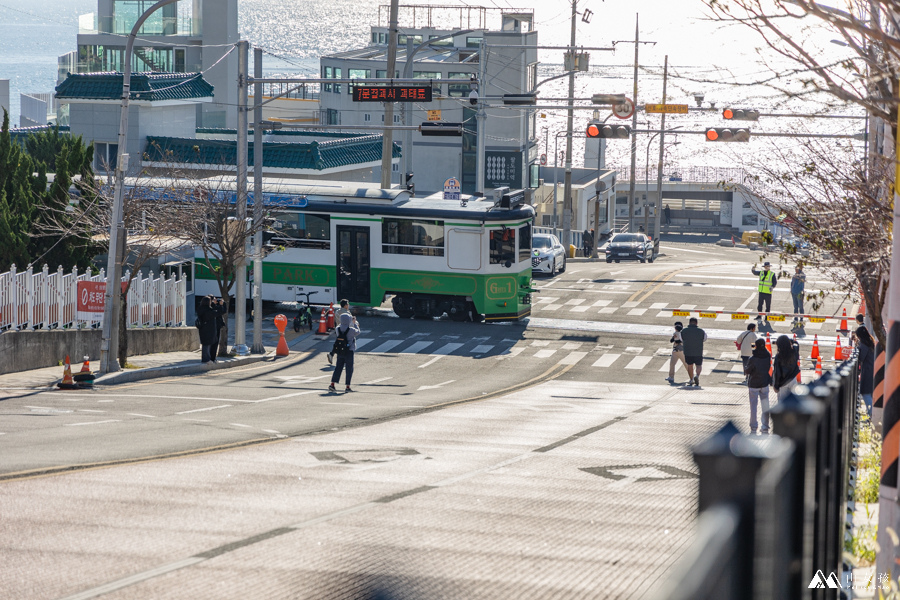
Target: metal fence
x,y
46,300
773,511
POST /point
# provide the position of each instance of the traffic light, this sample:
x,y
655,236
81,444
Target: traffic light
x,y
599,130
727,134
740,114
410,186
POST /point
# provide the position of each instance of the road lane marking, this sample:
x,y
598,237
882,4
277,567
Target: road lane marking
x,y
606,360
636,312
374,381
573,358
92,422
239,425
360,342
575,302
737,371
600,303
639,362
608,310
552,307
303,393
431,362
140,415
341,404
196,410
571,346
91,411
580,309
544,353
679,366
433,387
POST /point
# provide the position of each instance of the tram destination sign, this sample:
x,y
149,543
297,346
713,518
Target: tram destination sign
x,y
392,93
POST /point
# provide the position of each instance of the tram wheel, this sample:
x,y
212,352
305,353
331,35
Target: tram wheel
x,y
403,307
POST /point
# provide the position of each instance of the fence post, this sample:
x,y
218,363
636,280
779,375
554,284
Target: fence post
x,y
795,418
14,296
45,297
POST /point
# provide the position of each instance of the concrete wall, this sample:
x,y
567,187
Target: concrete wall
x,y
24,350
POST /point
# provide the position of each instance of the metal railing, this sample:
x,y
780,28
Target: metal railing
x,y
46,300
773,511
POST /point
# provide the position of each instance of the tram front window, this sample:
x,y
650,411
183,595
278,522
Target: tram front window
x,y
503,246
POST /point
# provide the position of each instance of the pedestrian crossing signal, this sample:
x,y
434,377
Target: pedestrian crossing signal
x,y
727,134
599,130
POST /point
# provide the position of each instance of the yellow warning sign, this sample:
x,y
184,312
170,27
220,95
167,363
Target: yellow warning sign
x,y
681,313
707,315
816,319
739,316
669,109
434,115
775,317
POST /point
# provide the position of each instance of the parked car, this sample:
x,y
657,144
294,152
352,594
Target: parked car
x,y
547,254
630,246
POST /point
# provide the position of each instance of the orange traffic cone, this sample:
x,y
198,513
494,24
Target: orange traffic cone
x,y
768,343
330,323
86,367
799,368
819,367
838,353
323,328
843,328
67,383
815,350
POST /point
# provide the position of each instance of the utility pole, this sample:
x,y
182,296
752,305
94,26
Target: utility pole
x,y
637,42
567,186
480,118
662,142
387,144
240,275
258,347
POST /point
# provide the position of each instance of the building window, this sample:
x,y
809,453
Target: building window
x,y
374,37
443,42
367,117
179,60
415,39
473,42
530,77
396,118
503,246
337,75
412,236
382,38
459,90
333,116
357,74
395,167
299,230
326,74
435,87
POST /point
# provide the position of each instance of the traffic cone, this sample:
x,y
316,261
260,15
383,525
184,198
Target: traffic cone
x,y
838,353
86,367
330,323
843,328
282,348
819,367
323,327
67,383
815,350
768,343
799,368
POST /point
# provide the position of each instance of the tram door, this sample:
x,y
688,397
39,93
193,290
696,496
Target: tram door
x,y
353,263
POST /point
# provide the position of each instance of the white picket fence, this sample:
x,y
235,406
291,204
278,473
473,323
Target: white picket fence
x,y
46,300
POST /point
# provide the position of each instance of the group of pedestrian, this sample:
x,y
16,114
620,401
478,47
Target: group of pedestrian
x,y
762,372
210,321
767,282
687,346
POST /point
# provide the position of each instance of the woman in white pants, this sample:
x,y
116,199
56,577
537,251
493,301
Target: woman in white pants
x,y
677,352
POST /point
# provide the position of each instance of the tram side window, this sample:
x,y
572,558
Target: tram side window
x,y
525,243
503,246
412,236
299,230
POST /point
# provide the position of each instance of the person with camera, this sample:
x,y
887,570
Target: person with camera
x,y
210,321
344,349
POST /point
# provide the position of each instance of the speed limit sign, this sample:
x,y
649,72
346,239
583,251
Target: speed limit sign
x,y
625,109
543,160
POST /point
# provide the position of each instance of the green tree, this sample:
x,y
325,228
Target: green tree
x,y
46,145
17,184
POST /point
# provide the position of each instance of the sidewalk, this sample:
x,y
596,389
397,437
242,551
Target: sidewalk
x,y
162,364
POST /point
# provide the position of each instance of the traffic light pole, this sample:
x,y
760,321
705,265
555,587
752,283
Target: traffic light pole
x,y
567,187
257,347
637,45
662,145
387,140
240,275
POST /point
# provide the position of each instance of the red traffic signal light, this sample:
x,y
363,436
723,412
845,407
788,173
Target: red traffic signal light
x,y
727,113
726,134
599,130
740,114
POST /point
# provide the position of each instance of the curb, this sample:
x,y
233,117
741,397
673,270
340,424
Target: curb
x,y
177,370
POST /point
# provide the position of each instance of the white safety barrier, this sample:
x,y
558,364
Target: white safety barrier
x,y
46,300
745,315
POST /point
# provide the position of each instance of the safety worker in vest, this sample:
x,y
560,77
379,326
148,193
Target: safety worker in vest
x,y
767,282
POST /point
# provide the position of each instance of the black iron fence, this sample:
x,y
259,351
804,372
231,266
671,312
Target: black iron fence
x,y
773,510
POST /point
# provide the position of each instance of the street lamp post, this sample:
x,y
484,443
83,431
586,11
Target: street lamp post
x,y
110,335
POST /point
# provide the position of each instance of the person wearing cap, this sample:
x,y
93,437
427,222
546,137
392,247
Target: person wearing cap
x,y
677,351
798,285
767,282
745,342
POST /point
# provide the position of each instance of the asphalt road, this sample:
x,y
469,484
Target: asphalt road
x,y
525,436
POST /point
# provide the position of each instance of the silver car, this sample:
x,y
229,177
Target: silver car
x,y
547,255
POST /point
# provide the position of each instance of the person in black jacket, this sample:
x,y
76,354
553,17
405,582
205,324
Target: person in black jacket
x,y
209,316
758,383
787,366
866,362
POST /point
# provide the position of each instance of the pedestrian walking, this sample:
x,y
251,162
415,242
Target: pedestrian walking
x,y
209,314
693,338
344,349
767,282
745,343
787,366
668,213
798,285
344,308
677,351
587,243
758,385
866,360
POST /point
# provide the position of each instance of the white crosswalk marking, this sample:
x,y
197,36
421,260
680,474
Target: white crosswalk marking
x,y
633,350
723,317
639,362
636,312
552,307
630,304
658,305
732,355
580,309
546,353
510,353
545,300
606,360
482,349
679,366
710,366
571,346
663,314
608,310
572,358
715,308
447,349
540,343
687,307
360,342
601,303
575,302
737,371
416,348
386,346
808,325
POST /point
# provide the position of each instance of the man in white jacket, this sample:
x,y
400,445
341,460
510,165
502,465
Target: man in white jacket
x,y
745,341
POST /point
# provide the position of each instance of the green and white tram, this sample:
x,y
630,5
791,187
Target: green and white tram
x,y
468,259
